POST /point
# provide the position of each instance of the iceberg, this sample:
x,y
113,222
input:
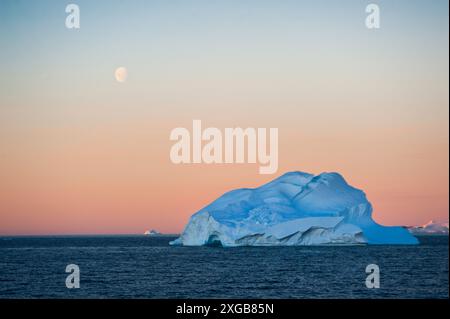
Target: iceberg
x,y
152,233
296,208
430,228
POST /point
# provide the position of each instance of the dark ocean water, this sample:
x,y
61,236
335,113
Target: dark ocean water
x,y
147,267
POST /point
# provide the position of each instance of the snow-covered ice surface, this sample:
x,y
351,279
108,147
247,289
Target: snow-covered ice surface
x,y
294,209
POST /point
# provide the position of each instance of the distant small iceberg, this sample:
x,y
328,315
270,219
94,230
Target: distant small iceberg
x,y
430,228
152,233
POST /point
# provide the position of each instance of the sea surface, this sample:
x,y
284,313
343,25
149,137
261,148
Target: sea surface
x,y
147,267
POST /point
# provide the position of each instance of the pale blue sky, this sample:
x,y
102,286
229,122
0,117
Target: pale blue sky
x,y
160,40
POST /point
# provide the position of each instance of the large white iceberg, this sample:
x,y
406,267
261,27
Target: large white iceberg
x,y
294,209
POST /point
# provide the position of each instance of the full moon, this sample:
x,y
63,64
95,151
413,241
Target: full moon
x,y
121,74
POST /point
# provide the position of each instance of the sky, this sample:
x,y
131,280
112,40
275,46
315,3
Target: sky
x,y
81,153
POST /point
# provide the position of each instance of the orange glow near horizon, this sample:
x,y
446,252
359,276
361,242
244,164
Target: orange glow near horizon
x,y
107,182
